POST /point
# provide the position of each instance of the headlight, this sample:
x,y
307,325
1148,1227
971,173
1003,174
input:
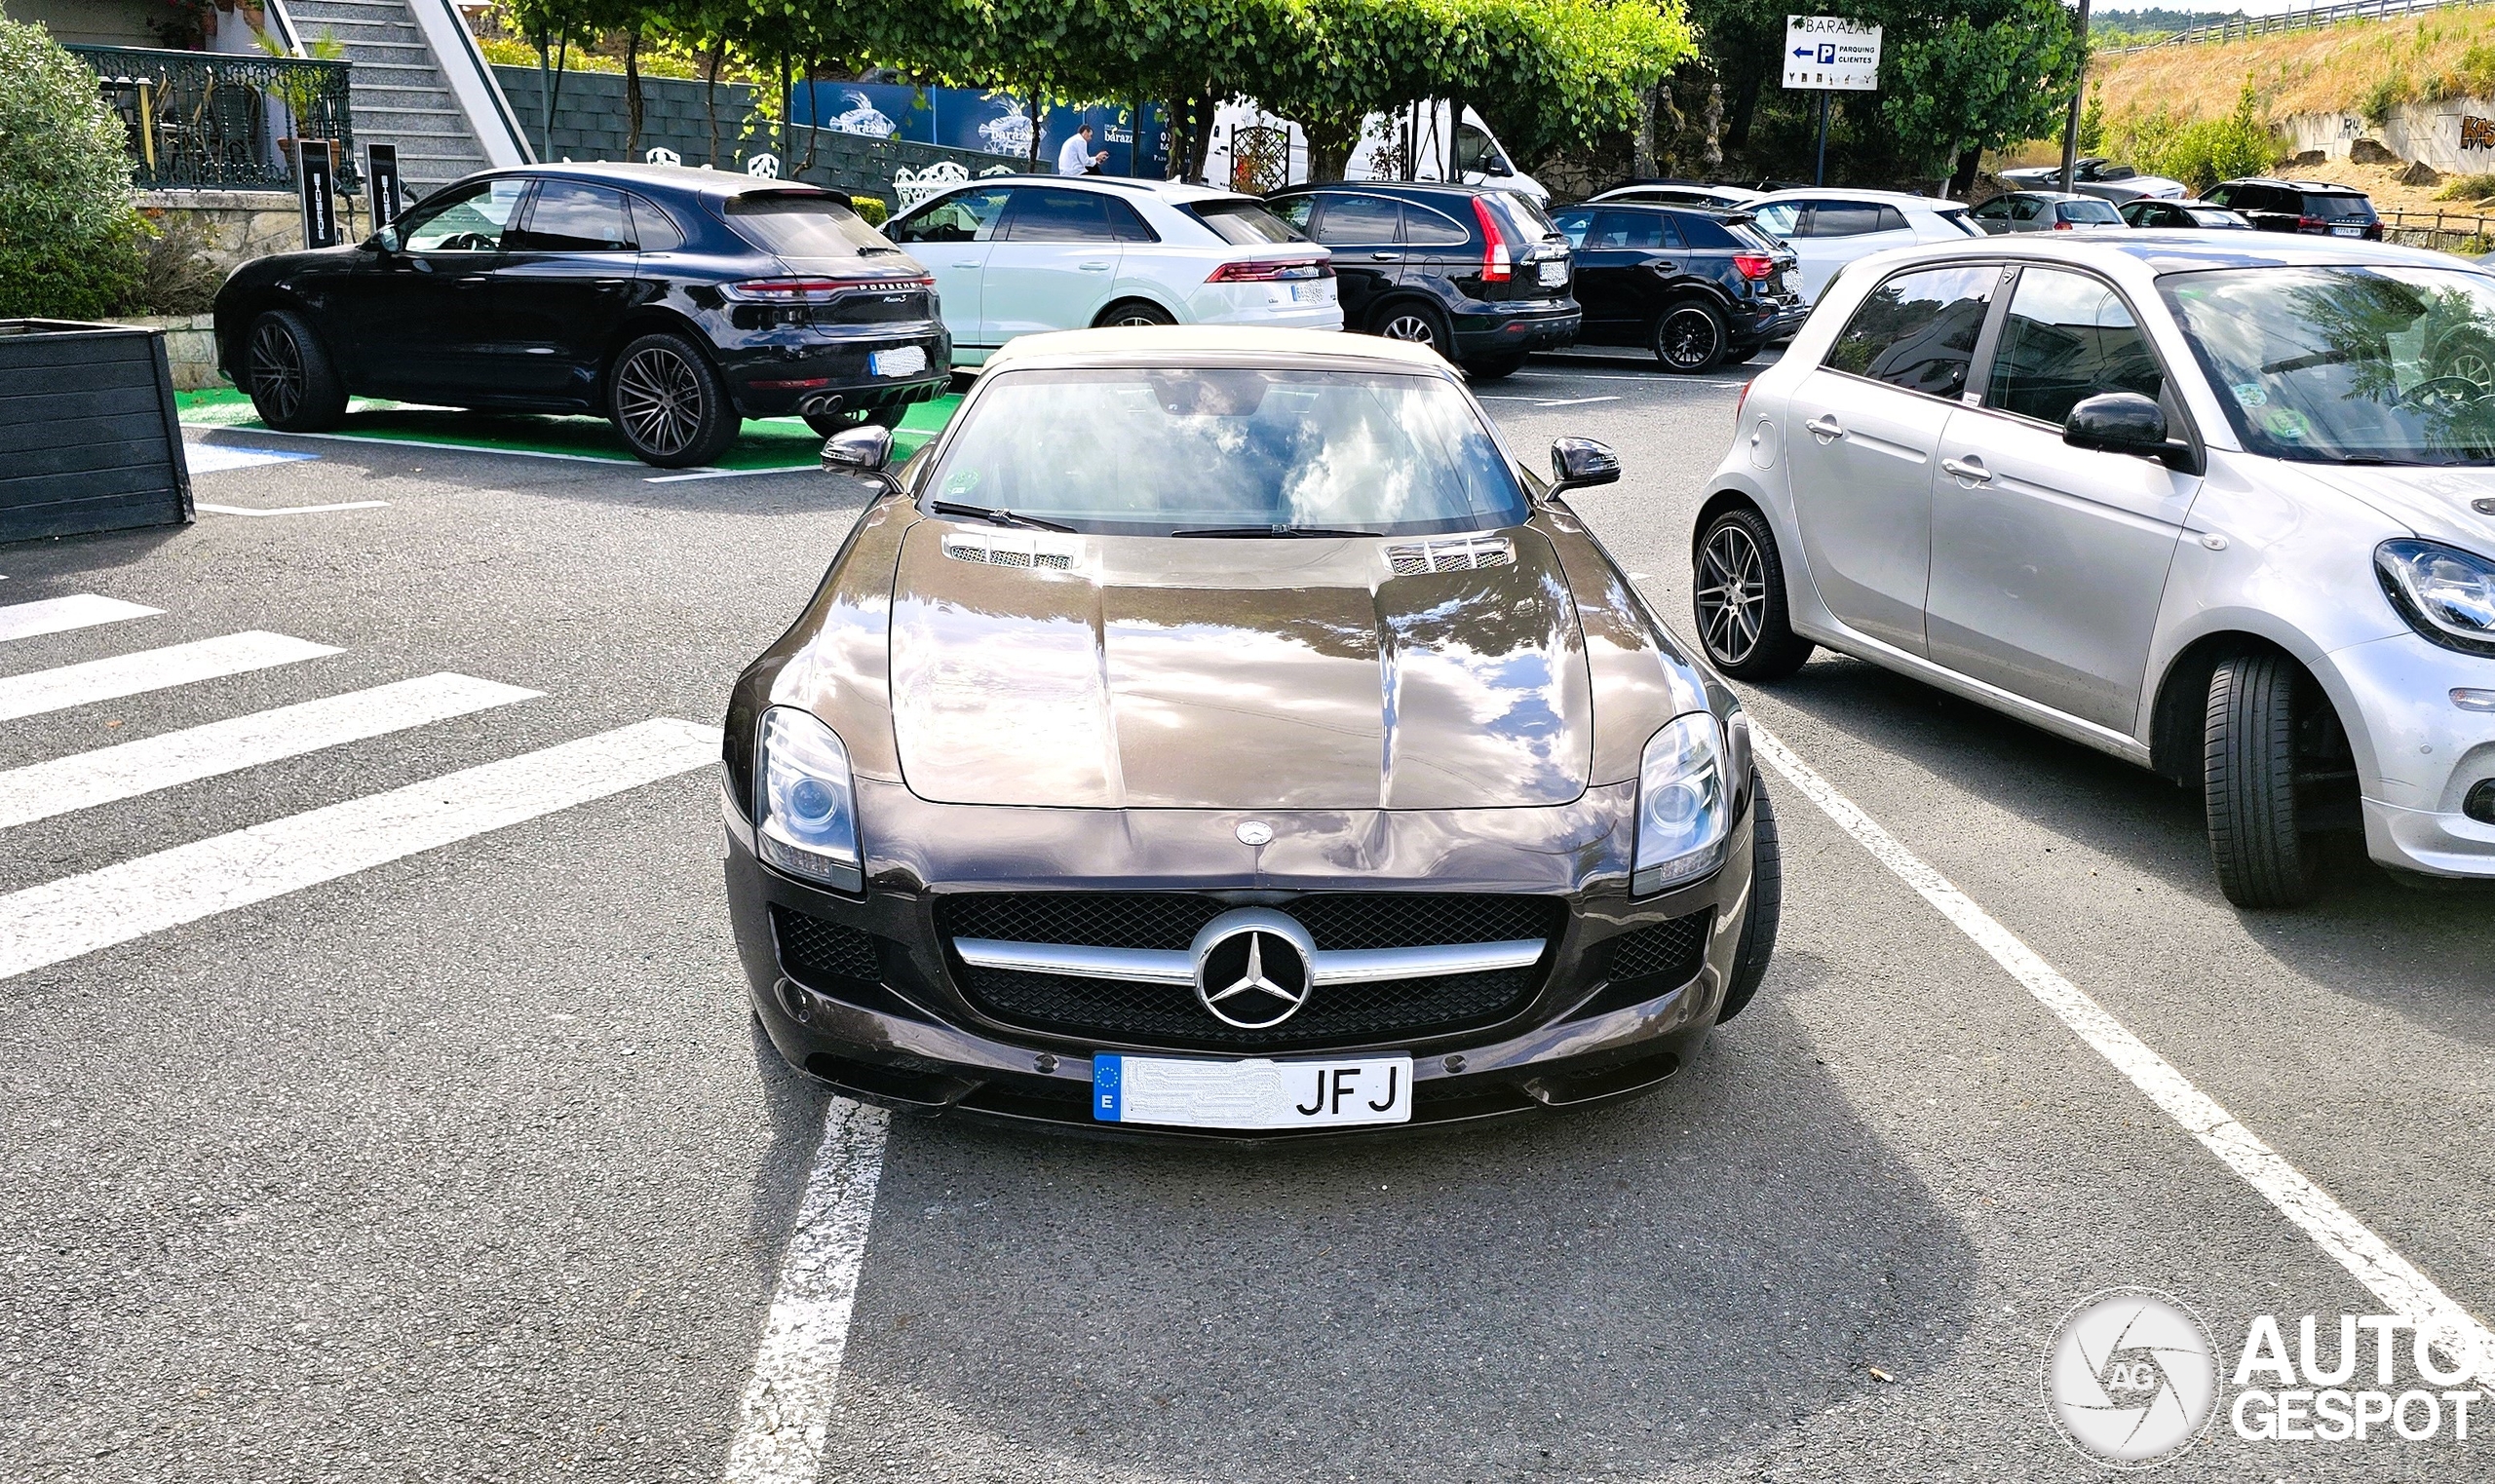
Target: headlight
x,y
807,811
2445,593
1684,810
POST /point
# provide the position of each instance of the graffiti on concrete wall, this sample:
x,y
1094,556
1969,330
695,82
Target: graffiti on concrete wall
x,y
2476,132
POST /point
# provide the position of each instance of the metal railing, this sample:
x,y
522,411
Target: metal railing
x,y
2448,231
208,120
2246,26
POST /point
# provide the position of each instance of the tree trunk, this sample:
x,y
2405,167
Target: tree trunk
x,y
1330,147
1031,109
784,109
814,119
711,100
633,93
562,54
1710,155
1962,180
544,99
1737,132
1641,151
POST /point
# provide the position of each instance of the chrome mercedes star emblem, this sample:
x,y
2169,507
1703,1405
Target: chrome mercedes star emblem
x,y
1255,832
1253,968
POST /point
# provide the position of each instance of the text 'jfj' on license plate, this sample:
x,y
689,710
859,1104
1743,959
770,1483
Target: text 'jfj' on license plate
x,y
1251,1095
906,361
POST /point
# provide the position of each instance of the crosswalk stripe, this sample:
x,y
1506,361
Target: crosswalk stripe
x,y
41,790
149,669
76,915
59,615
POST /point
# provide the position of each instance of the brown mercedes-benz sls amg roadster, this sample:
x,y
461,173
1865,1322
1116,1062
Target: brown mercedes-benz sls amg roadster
x,y
1223,734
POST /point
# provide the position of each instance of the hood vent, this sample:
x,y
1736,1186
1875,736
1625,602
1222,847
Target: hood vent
x,y
1009,551
1454,553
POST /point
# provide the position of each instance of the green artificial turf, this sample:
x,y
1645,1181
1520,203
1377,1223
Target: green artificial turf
x,y
776,442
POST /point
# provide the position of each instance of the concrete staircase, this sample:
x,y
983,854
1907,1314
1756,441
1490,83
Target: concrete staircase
x,y
405,92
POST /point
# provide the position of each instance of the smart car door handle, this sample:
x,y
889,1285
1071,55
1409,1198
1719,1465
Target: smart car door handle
x,y
1970,468
1824,426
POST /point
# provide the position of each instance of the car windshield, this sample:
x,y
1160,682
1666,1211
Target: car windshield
x,y
2376,365
1145,451
804,224
1243,223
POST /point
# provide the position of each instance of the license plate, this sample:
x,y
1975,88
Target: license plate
x,y
1553,274
906,361
2347,231
1321,291
1257,1094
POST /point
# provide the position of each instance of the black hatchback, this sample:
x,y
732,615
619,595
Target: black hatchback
x,y
675,302
1698,287
1477,274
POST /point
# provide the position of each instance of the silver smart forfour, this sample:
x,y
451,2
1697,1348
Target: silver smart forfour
x,y
2219,503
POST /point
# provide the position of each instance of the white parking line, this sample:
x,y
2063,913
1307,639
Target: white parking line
x,y
42,790
289,510
732,474
1575,402
59,615
76,915
372,441
2392,1279
149,669
786,1412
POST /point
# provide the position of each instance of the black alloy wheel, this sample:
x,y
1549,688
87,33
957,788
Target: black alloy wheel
x,y
1738,594
668,404
294,387
1689,338
1416,324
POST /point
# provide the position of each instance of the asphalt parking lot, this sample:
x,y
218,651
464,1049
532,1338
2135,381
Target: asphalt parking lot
x,y
365,1116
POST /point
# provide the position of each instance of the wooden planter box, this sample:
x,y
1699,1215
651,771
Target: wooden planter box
x,y
89,441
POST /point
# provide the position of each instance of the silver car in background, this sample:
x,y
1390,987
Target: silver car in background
x,y
1830,226
2097,177
2223,506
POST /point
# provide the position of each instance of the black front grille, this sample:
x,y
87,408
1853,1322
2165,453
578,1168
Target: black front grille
x,y
1114,1011
813,950
1159,1014
1170,919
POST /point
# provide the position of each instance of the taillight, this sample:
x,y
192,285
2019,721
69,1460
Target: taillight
x,y
1741,400
1753,265
1272,272
1495,263
811,290
2311,224
2060,225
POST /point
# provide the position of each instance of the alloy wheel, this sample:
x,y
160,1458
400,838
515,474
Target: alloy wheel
x,y
1137,317
1731,594
277,370
658,397
1688,336
1412,328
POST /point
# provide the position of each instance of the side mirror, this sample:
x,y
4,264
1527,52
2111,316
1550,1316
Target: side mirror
x,y
2116,422
862,450
384,242
1497,165
1580,463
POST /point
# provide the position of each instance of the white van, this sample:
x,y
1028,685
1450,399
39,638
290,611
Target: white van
x,y
1478,156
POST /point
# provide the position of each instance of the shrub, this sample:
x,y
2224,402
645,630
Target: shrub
x,y
70,239
871,207
2198,152
175,274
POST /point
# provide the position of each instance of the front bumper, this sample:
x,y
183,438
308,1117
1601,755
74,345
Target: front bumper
x,y
1533,324
2428,753
914,1041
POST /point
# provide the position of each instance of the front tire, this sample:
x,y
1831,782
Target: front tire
x,y
1689,338
294,385
2248,781
1739,596
670,404
1766,910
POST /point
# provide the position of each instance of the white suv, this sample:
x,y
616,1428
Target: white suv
x,y
1017,254
2223,505
1830,228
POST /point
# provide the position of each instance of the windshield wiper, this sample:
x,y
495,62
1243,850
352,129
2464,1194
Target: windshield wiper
x,y
1268,530
1000,517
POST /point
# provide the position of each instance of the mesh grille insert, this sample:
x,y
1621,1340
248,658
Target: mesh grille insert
x,y
1336,1015
812,949
1169,919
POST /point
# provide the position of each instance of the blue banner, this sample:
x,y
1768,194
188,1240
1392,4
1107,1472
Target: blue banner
x,y
995,124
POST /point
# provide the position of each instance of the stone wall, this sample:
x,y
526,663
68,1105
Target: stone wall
x,y
190,345
237,225
2455,136
590,125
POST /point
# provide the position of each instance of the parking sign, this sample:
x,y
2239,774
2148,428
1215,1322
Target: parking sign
x,y
1829,51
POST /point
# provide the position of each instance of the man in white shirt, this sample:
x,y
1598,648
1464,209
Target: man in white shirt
x,y
1076,156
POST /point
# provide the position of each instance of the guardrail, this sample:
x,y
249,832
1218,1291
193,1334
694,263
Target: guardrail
x,y
2448,231
214,121
2249,27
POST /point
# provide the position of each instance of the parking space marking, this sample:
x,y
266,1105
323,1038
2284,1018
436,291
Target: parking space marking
x,y
206,457
2389,1277
786,1414
61,919
150,670
1575,402
370,441
290,510
106,775
60,615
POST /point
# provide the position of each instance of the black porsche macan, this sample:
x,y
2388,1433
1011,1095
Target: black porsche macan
x,y
676,302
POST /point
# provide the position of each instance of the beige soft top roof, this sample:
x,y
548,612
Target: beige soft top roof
x,y
1161,343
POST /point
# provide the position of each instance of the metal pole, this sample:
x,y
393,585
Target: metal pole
x,y
2078,94
1820,176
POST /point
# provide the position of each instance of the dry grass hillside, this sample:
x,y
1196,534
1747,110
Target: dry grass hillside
x,y
2364,68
